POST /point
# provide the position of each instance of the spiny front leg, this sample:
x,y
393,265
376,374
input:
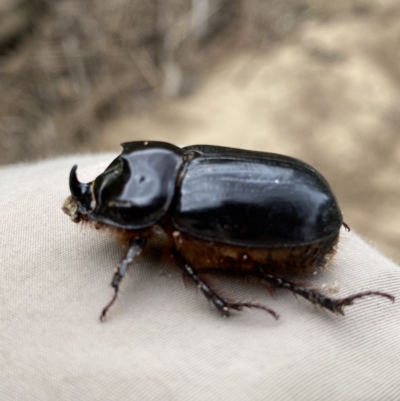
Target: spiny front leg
x,y
220,303
135,246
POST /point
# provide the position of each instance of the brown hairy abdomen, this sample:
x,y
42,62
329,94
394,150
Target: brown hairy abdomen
x,y
203,254
296,260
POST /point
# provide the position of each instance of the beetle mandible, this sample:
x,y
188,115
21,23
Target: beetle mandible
x,y
242,212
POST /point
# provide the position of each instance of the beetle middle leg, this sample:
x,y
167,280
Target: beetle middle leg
x,y
135,246
220,303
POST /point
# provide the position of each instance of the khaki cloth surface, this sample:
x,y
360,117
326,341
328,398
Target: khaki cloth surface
x,y
162,340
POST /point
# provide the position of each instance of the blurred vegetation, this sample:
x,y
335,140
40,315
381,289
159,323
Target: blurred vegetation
x,y
67,66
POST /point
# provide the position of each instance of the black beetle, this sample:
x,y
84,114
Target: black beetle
x,y
242,212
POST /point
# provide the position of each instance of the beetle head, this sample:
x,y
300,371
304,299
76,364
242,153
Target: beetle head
x,y
134,192
136,189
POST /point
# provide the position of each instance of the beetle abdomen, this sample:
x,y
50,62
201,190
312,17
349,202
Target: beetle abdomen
x,y
300,260
269,202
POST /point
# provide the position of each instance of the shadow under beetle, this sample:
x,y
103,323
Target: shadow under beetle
x,y
245,213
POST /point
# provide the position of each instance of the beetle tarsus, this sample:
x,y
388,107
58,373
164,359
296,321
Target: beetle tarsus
x,y
337,305
108,306
135,246
240,305
346,227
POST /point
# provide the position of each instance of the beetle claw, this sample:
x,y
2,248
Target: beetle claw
x,y
108,306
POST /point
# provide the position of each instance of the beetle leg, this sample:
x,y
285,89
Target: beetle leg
x,y
221,304
314,296
337,305
346,227
135,246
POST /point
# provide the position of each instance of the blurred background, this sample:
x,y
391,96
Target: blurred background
x,y
314,79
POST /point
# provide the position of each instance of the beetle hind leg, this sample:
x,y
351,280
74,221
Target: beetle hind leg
x,y
220,303
314,296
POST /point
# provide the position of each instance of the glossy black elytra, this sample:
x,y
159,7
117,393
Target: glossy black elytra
x,y
242,212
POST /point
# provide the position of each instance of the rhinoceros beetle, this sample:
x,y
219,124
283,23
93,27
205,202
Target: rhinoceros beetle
x,y
241,212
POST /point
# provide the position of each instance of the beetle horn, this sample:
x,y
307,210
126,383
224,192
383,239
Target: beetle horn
x,y
77,188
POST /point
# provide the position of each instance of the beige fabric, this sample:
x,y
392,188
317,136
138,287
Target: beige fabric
x,y
162,341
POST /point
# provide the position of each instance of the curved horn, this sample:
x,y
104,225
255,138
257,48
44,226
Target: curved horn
x,y
77,188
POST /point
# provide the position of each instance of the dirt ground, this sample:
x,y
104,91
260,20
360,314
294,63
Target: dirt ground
x,y
327,97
